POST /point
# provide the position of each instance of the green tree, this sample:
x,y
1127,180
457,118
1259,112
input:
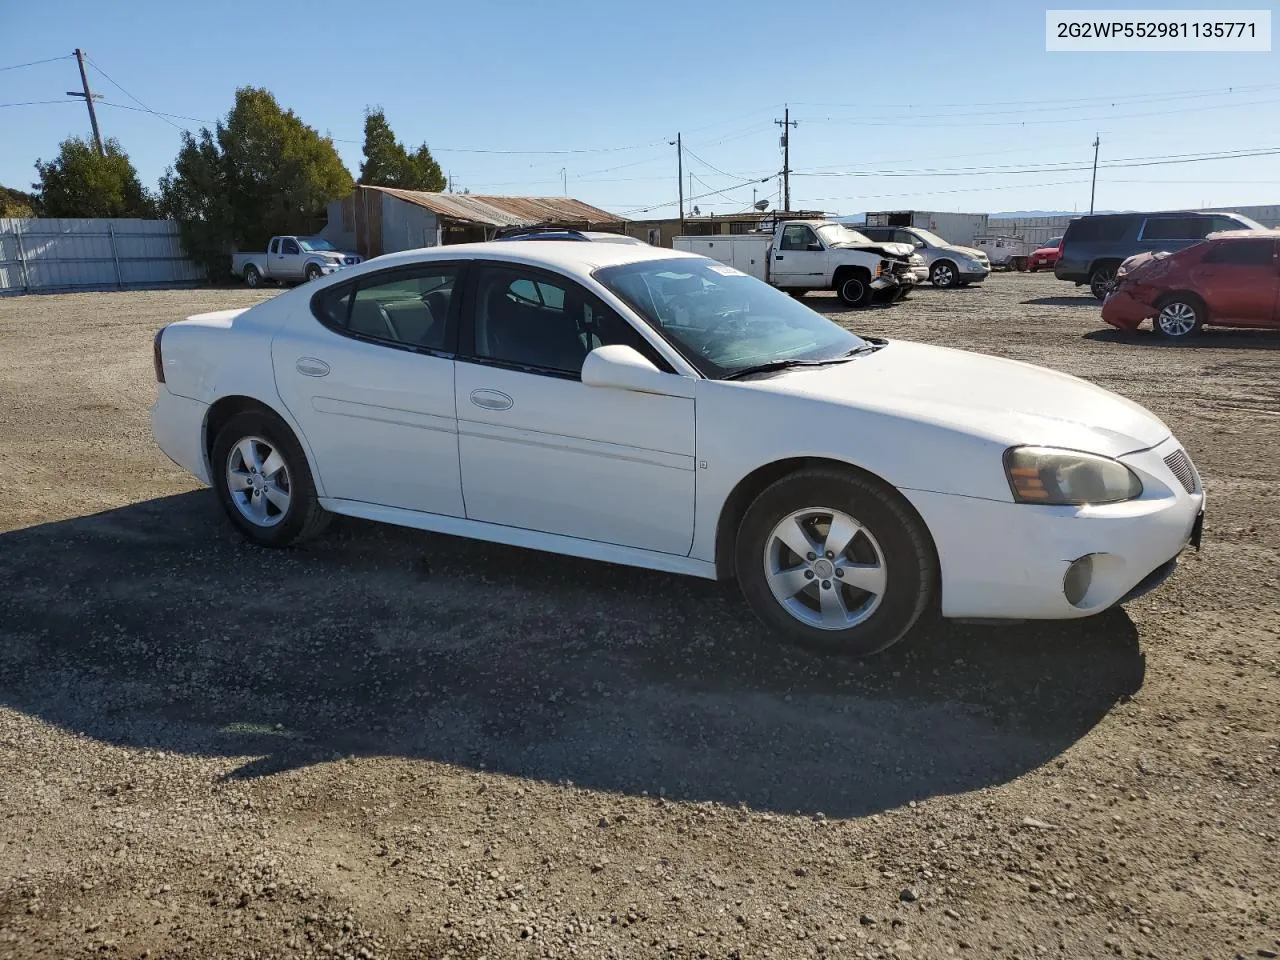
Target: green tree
x,y
261,172
388,164
83,183
18,203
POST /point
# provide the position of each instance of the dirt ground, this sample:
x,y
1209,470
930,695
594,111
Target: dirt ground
x,y
394,744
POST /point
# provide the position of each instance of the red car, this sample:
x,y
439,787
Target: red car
x,y
1229,279
1045,256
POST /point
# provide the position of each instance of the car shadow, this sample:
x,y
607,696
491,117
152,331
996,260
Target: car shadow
x,y
155,626
1087,300
1208,338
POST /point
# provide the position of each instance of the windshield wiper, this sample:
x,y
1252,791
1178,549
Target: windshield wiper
x,y
785,364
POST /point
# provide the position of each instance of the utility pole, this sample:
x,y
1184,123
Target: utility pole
x,y
564,180
88,99
680,175
1093,186
786,123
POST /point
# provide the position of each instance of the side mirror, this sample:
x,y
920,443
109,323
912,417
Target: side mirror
x,y
624,368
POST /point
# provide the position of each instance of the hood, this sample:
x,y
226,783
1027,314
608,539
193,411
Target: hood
x,y
885,249
968,251
1003,401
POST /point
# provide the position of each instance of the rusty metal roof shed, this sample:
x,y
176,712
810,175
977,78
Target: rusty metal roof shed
x,y
503,211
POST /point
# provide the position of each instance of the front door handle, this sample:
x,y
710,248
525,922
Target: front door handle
x,y
491,399
778,257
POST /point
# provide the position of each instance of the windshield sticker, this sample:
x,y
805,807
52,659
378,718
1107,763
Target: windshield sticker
x,y
725,271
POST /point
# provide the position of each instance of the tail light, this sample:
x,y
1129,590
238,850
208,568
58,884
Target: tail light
x,y
156,357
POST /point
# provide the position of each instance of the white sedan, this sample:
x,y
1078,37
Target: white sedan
x,y
640,406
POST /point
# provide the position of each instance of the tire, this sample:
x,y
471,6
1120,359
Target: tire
x,y
798,294
1180,317
312,272
252,276
854,289
1032,267
887,538
1101,280
245,445
944,274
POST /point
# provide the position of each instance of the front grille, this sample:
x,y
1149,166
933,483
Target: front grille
x,y
1183,469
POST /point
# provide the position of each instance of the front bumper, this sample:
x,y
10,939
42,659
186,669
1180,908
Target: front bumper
x,y
1125,311
1001,559
969,274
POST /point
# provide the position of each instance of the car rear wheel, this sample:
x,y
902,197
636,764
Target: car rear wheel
x,y
1179,317
1102,280
944,274
252,278
261,477
836,562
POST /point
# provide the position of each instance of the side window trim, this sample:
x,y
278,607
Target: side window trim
x,y
466,329
352,286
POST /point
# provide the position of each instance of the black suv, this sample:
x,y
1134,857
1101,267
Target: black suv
x,y
1094,246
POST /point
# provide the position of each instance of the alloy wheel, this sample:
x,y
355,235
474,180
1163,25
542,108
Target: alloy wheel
x,y
1176,319
825,568
258,482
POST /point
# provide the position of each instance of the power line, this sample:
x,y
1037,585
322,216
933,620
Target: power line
x,y
33,63
130,95
1151,97
32,103
911,121
1058,167
671,203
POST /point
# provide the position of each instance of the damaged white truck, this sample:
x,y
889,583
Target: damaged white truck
x,y
803,255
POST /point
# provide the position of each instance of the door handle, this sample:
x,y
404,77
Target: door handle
x,y
311,367
491,399
778,257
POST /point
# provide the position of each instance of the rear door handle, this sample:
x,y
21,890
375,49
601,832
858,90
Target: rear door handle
x,y
491,399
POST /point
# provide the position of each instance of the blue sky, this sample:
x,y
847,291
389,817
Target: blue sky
x,y
878,91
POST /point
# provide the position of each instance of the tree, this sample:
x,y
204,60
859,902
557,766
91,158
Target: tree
x,y
388,164
18,203
261,172
83,183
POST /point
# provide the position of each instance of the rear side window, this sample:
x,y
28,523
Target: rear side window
x,y
1099,230
275,246
1176,228
1227,223
408,308
1248,253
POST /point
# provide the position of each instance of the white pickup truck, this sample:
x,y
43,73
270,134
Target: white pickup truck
x,y
291,258
803,255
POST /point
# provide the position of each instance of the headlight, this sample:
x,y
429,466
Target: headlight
x,y
1065,477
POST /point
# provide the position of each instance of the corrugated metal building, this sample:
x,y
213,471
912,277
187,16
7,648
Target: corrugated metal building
x,y
50,254
378,220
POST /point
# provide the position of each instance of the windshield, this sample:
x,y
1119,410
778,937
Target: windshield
x,y
932,239
722,320
315,244
834,233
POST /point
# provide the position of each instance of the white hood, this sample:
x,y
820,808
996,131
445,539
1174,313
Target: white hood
x,y
969,252
1004,401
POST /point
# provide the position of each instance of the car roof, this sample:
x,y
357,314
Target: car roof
x,y
567,256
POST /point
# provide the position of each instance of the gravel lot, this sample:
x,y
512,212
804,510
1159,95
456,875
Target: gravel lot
x,y
394,744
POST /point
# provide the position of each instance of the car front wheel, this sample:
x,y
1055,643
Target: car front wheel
x,y
944,274
836,562
1179,317
261,477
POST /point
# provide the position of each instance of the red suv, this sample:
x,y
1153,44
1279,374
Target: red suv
x,y
1045,256
1230,278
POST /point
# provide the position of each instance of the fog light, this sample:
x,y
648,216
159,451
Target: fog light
x,y
1078,580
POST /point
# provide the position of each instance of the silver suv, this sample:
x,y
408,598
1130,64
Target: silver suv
x,y
946,264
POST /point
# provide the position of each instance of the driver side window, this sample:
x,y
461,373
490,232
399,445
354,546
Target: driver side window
x,y
797,236
289,246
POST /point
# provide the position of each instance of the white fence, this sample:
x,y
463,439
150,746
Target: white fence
x,y
48,255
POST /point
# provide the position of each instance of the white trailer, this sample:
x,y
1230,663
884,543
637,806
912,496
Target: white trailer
x,y
1004,252
955,228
